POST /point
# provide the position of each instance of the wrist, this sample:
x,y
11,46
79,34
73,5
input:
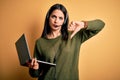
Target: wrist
x,y
85,24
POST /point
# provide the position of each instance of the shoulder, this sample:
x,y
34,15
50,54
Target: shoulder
x,y
40,40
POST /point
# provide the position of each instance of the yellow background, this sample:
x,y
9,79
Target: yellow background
x,y
100,56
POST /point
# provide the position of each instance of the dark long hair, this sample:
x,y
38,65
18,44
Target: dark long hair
x,y
64,30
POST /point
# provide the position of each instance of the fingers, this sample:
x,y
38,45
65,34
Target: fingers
x,y
71,26
75,26
34,64
76,23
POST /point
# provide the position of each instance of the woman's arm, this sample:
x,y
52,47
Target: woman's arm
x,y
93,27
86,29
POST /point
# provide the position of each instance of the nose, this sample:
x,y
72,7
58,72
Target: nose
x,y
56,20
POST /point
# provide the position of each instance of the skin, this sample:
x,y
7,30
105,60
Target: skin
x,y
55,21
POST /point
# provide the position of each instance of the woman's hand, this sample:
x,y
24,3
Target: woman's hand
x,y
75,26
33,64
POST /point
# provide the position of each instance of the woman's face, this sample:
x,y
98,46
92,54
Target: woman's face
x,y
56,20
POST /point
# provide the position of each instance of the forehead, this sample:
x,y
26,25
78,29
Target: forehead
x,y
57,12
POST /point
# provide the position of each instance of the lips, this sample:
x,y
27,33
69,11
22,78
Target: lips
x,y
56,25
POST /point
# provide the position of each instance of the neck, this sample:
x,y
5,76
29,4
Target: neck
x,y
54,34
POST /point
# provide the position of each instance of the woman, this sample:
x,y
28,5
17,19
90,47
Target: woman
x,y
60,44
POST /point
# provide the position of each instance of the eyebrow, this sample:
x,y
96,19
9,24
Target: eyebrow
x,y
53,15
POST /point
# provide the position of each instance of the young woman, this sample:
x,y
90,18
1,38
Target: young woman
x,y
60,44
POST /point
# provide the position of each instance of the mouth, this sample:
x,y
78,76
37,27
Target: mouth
x,y
56,26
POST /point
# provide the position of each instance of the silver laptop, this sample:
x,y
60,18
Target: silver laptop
x,y
23,52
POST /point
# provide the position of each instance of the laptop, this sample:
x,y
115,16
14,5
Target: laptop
x,y
23,52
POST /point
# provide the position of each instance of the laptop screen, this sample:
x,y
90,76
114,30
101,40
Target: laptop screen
x,y
22,50
24,54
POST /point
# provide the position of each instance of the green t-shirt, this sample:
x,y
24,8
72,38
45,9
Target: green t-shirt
x,y
64,53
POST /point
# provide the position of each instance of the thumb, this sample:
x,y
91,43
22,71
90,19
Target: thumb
x,y
35,62
74,32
